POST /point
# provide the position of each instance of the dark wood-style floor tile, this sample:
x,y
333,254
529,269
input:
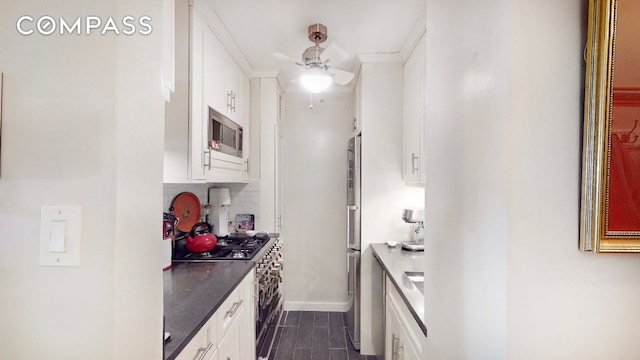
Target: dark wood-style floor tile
x,y
338,354
351,352
320,338
307,318
302,354
288,339
293,318
304,340
320,354
306,335
321,318
336,333
336,318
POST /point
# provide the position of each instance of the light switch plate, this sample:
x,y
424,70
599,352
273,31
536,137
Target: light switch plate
x,y
60,229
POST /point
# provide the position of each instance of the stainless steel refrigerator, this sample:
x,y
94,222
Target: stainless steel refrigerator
x,y
353,240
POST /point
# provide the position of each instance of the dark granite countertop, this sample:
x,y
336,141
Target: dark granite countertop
x,y
395,262
192,293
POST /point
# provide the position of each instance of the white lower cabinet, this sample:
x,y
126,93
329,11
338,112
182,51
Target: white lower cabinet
x,y
402,334
229,334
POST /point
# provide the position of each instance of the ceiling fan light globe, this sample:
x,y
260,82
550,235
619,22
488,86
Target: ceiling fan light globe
x,y
316,81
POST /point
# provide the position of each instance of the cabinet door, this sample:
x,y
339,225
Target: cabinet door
x,y
213,72
247,319
413,119
246,125
398,345
229,348
234,82
393,332
279,165
197,114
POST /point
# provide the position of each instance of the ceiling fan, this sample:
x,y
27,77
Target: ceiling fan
x,y
319,74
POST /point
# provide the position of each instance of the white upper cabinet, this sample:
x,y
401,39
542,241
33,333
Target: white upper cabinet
x,y
414,115
267,146
235,92
214,60
217,82
207,76
198,112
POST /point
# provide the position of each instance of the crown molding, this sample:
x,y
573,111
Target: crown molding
x,y
219,29
379,57
262,73
296,89
416,34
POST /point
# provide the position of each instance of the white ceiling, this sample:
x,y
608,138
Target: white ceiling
x,y
262,27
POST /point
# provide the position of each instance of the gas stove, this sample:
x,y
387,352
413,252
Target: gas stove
x,y
234,246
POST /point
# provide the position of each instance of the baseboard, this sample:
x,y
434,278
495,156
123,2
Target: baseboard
x,y
315,306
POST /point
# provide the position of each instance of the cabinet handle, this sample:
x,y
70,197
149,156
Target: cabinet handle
x,y
280,222
228,100
247,166
413,163
234,309
204,351
394,346
355,124
233,101
207,153
400,349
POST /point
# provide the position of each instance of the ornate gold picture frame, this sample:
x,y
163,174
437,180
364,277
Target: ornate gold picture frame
x,y
610,199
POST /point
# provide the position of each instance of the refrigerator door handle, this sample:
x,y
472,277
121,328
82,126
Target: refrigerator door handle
x,y
349,286
352,264
348,233
351,233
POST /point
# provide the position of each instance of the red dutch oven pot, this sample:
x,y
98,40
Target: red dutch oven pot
x,y
199,240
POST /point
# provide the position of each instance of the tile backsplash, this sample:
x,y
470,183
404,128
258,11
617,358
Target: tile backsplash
x,y
245,198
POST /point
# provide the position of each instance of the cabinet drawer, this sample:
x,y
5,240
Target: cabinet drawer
x,y
199,345
229,312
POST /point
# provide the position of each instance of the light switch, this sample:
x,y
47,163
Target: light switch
x,y
60,235
56,241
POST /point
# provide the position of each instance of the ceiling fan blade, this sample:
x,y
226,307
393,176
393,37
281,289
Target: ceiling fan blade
x,y
335,54
282,57
341,77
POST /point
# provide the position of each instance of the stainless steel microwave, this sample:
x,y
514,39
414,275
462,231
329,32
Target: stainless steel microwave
x,y
224,135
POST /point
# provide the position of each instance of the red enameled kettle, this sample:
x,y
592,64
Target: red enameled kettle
x,y
201,240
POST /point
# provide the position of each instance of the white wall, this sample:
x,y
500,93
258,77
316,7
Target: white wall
x,y
71,135
562,304
315,202
466,176
517,289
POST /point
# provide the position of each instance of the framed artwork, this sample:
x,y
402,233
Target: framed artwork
x,y
610,198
